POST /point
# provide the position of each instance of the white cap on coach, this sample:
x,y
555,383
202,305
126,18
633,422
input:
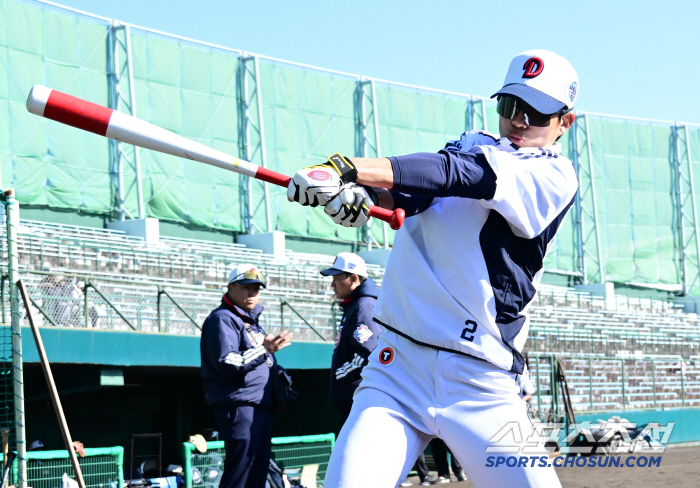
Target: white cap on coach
x,y
246,274
347,262
542,79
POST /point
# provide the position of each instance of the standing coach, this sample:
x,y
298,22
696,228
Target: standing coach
x,y
236,359
357,334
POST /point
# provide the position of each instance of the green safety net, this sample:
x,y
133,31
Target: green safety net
x,y
563,253
308,116
191,91
46,162
203,93
635,188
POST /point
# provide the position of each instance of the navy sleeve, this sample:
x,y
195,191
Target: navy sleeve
x,y
411,204
363,339
448,173
364,343
234,355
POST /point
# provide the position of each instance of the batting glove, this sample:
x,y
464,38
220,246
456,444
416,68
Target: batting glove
x,y
318,184
350,207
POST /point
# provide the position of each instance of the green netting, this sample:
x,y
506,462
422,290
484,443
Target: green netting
x,y
48,163
201,92
192,92
307,116
634,181
563,254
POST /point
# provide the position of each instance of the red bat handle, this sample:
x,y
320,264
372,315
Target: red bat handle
x,y
394,219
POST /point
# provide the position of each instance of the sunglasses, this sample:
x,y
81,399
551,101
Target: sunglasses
x,y
251,274
508,108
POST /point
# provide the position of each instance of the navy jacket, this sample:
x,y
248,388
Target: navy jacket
x,y
234,370
357,338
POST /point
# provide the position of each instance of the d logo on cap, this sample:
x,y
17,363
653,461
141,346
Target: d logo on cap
x,y
533,67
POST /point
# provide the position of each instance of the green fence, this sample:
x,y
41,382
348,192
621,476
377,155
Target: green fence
x,y
103,467
290,453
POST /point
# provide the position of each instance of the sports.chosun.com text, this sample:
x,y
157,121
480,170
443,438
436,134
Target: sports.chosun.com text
x,y
571,461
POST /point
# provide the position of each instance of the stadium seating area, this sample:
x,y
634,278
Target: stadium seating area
x,y
597,383
171,287
619,351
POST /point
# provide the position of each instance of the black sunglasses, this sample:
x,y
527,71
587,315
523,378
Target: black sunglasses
x,y
508,108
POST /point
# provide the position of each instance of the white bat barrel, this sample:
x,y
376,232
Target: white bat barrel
x,y
126,128
54,105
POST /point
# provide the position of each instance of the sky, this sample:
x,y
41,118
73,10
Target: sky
x,y
633,58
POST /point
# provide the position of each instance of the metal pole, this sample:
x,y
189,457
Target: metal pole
x,y
539,386
165,292
132,102
692,195
160,309
263,153
653,379
12,216
679,198
622,366
102,295
377,142
248,181
590,381
483,115
595,200
55,399
579,210
682,363
86,309
117,104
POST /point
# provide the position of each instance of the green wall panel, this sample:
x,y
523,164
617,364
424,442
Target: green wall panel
x,y
308,114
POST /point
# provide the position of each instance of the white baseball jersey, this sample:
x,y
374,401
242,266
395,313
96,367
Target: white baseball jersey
x,y
462,272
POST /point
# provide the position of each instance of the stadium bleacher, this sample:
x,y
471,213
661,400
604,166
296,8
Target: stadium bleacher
x,y
171,287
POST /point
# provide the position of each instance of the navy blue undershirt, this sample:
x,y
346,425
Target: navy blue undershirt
x,y
444,174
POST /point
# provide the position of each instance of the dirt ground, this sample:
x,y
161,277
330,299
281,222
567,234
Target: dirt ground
x,y
680,468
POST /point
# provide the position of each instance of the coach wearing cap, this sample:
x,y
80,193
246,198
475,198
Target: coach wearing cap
x,y
236,359
357,334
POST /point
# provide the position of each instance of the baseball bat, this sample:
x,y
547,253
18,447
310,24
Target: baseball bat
x,y
9,458
5,443
91,117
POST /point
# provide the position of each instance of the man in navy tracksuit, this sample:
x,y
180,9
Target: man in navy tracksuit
x,y
357,334
236,359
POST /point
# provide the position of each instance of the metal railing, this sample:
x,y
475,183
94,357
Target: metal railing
x,y
599,383
71,300
290,453
102,467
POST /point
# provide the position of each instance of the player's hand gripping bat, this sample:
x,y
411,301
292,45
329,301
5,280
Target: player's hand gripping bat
x,y
104,121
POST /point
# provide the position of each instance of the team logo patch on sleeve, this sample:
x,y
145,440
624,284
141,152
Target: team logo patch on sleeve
x,y
362,333
387,356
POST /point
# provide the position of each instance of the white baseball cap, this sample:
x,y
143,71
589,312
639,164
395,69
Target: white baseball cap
x,y
347,262
246,274
542,79
36,445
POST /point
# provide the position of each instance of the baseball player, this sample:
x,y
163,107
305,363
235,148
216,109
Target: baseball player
x,y
358,333
481,214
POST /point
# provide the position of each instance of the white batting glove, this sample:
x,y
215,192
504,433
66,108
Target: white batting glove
x,y
318,184
350,207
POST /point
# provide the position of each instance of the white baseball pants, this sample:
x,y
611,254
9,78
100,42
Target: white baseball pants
x,y
410,394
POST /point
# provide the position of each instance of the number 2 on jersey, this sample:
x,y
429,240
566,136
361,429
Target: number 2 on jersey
x,y
470,329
